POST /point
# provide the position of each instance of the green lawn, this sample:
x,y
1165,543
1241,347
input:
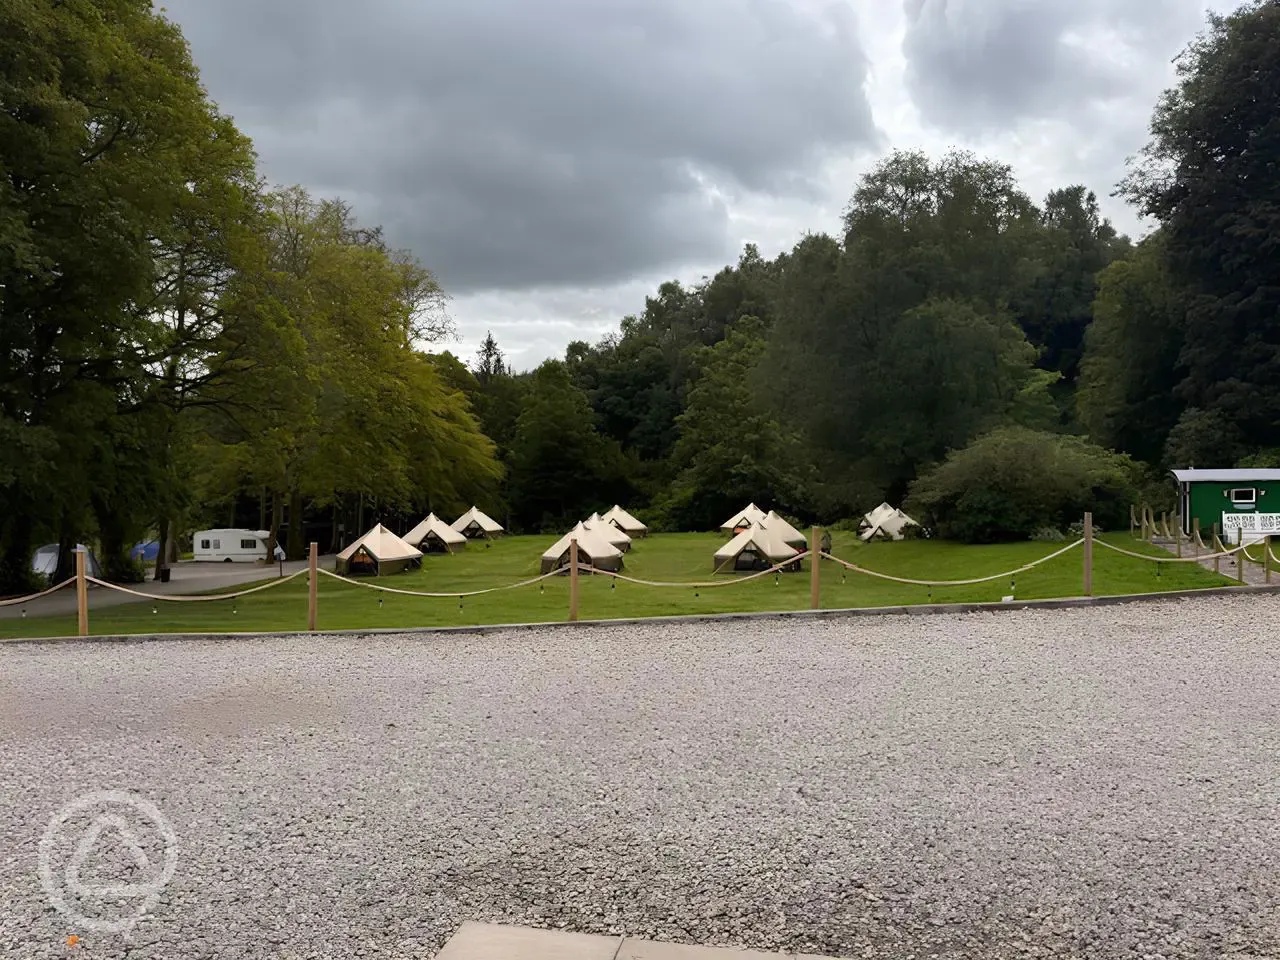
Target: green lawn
x,y
679,557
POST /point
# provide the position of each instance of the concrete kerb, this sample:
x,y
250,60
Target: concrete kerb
x,y
912,610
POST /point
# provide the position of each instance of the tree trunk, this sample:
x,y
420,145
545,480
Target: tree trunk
x,y
162,545
277,516
262,509
295,547
66,557
359,518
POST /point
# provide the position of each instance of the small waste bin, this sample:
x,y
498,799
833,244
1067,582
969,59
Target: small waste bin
x,y
164,574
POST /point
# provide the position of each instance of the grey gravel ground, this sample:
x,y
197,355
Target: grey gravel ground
x,y
1098,783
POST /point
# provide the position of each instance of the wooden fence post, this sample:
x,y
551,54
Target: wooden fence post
x,y
313,566
1195,529
1266,557
573,578
1133,519
82,594
1088,554
1177,531
815,569
1217,549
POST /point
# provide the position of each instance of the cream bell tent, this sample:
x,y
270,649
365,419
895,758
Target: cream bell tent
x,y
475,524
608,531
434,535
758,547
593,550
743,519
786,531
626,522
885,521
379,552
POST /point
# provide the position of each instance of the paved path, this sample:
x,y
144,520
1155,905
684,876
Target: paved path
x,y
1098,782
1254,575
491,941
187,577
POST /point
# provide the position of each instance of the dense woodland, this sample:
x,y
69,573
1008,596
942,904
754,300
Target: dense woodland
x,y
181,343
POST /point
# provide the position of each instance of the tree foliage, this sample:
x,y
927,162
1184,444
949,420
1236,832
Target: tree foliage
x,y
1011,482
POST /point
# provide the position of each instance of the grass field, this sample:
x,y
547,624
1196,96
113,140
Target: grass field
x,y
673,557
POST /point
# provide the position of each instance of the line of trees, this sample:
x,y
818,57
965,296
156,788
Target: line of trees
x,y
178,338
952,307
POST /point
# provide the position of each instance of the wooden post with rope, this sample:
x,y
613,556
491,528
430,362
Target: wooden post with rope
x,y
573,578
815,569
1217,551
1266,557
1195,530
82,594
1177,532
1088,554
313,576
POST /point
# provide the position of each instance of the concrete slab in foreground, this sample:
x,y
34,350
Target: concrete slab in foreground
x,y
490,941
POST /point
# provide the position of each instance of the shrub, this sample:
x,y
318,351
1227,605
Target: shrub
x,y
1013,482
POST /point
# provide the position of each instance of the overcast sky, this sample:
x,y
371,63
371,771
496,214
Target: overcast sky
x,y
552,162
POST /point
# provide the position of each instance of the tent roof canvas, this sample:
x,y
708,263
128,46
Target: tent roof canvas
x,y
383,546
623,520
886,520
607,531
785,530
749,514
479,518
598,551
764,540
436,527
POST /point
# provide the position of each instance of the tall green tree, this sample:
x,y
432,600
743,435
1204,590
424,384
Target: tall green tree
x,y
732,448
561,467
900,344
1127,397
105,138
1208,175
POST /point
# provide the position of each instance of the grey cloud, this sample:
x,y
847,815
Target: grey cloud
x,y
974,66
514,144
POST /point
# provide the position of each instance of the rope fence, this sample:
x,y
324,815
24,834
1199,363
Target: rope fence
x,y
574,569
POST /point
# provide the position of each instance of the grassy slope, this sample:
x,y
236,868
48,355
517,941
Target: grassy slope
x,y
680,557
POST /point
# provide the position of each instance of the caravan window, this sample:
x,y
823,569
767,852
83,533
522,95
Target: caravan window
x,y
248,544
217,544
204,544
1244,495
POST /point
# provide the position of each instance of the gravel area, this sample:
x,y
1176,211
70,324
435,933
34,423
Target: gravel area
x,y
1101,783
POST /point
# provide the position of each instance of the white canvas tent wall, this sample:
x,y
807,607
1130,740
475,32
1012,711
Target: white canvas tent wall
x,y
626,522
475,523
44,562
743,518
755,548
434,534
608,531
786,531
593,550
885,521
379,552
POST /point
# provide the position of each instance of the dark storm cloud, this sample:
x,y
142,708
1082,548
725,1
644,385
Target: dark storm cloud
x,y
976,66
513,144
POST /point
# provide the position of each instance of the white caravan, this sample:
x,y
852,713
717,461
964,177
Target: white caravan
x,y
239,546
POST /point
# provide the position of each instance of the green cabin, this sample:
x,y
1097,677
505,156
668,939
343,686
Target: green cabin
x,y
1240,501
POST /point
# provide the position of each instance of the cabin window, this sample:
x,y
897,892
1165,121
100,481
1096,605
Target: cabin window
x,y
248,544
204,544
217,544
1244,496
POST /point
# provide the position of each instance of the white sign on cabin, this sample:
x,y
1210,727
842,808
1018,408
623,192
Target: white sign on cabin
x,y
1236,525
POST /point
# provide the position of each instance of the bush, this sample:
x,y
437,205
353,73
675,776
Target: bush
x,y
1013,482
1049,535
